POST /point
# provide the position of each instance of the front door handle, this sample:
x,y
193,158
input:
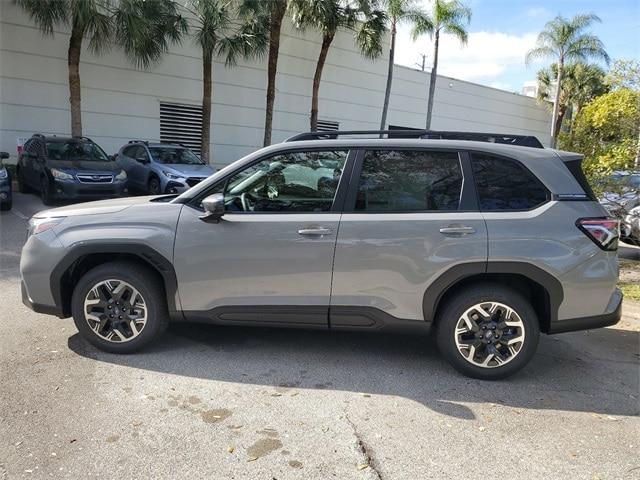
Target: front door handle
x,y
457,230
314,231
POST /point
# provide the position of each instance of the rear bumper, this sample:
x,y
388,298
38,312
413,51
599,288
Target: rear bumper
x,y
610,317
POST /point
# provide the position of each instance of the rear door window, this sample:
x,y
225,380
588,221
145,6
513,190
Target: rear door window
x,y
506,185
409,181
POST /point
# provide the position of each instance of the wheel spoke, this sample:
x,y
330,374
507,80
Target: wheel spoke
x,y
125,320
489,334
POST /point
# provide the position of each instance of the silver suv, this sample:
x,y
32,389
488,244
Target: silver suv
x,y
490,244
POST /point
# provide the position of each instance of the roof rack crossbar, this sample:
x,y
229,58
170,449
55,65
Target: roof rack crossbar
x,y
504,138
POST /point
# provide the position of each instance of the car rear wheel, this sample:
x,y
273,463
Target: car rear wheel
x,y
488,331
154,186
119,307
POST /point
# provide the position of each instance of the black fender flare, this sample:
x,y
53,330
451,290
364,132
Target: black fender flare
x,y
144,253
439,287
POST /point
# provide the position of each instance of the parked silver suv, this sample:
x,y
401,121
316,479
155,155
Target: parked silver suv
x,y
490,244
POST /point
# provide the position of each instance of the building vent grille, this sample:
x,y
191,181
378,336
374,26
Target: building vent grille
x,y
181,124
328,126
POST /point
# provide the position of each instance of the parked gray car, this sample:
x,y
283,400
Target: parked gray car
x,y
155,168
489,244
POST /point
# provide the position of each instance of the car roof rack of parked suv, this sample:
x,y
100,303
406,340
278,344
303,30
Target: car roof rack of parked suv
x,y
505,138
146,142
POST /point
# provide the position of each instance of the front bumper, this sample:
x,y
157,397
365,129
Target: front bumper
x,y
611,316
182,185
39,307
76,190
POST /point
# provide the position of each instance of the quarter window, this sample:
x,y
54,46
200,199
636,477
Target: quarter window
x,y
409,181
292,182
504,184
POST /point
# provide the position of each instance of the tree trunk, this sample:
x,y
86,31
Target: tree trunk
x,y
73,61
558,124
277,14
432,80
574,119
324,50
205,148
387,92
556,104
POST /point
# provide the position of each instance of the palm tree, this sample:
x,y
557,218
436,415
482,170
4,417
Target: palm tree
x,y
216,31
143,28
566,40
581,83
270,15
328,16
450,17
398,11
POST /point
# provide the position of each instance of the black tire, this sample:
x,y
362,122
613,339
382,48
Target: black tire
x,y
467,298
4,206
45,191
22,186
154,186
142,279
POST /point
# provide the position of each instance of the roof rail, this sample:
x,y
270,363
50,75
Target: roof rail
x,y
504,138
146,142
39,135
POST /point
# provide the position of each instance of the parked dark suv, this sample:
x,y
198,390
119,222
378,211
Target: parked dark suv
x,y
69,168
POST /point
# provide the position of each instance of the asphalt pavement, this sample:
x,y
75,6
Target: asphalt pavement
x,y
238,403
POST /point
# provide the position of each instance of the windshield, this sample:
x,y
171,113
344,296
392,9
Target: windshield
x,y
76,150
630,181
174,156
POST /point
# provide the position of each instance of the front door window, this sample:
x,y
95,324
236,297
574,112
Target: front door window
x,y
295,182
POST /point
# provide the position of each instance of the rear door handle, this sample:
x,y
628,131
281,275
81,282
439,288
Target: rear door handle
x,y
457,230
314,231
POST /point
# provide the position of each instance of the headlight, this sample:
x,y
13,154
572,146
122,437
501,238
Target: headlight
x,y
39,225
173,176
60,175
3,173
122,175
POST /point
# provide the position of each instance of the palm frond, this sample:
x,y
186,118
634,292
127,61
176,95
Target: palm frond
x,y
371,33
145,29
46,14
538,53
423,26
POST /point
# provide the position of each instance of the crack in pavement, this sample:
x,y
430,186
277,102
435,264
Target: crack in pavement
x,y
365,450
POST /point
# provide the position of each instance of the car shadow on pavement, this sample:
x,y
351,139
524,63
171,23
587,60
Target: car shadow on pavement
x,y
594,371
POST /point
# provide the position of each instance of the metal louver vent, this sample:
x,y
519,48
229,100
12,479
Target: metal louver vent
x,y
181,124
327,126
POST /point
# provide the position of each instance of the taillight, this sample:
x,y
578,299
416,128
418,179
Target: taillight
x,y
604,232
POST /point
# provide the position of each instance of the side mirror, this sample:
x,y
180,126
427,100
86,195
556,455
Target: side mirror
x,y
213,208
112,158
143,160
4,155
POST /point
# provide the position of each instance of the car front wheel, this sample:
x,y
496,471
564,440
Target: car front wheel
x,y
119,307
488,332
154,186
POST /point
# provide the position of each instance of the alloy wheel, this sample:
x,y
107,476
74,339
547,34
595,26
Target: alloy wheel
x,y
489,334
115,311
